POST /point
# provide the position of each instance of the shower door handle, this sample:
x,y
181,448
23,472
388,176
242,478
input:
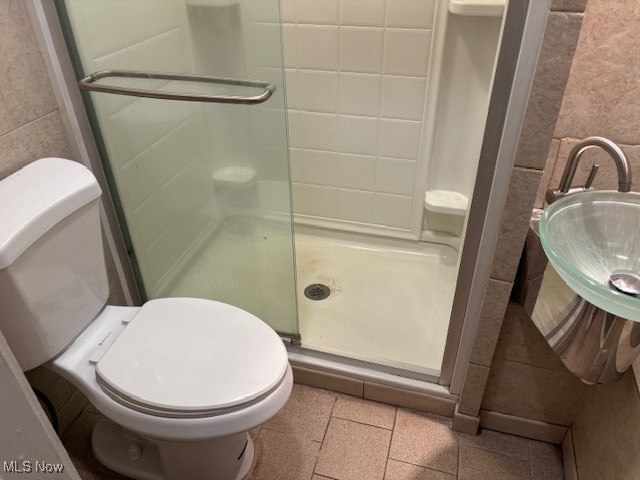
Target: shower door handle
x,y
88,83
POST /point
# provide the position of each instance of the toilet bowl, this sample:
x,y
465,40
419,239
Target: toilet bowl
x,y
180,381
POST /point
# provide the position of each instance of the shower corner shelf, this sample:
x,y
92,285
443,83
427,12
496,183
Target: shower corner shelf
x,y
234,175
477,8
446,201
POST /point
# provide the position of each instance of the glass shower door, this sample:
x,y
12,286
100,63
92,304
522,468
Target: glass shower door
x,y
202,188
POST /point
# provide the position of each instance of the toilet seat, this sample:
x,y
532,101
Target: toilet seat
x,y
192,358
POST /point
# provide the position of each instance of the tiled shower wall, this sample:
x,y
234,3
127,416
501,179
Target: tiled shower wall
x,y
356,74
155,147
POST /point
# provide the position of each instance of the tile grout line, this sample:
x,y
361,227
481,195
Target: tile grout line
x,y
502,454
364,423
30,122
434,469
386,462
333,406
530,462
458,460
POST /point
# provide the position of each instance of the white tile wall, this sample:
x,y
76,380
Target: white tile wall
x,y
155,148
356,87
362,12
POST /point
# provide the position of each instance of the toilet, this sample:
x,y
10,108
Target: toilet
x,y
179,381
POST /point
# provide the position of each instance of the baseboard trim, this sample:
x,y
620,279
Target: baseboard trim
x,y
391,394
465,423
523,427
569,457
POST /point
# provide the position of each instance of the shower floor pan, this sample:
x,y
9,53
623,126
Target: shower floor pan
x,y
389,302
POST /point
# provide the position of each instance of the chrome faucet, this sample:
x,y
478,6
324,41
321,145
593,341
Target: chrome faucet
x,y
614,151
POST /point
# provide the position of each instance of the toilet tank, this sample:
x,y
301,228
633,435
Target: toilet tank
x,y
53,279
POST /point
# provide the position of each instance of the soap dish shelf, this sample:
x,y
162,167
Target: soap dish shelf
x,y
234,176
477,8
446,201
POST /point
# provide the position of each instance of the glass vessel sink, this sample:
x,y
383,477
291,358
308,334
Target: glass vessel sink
x,y
586,237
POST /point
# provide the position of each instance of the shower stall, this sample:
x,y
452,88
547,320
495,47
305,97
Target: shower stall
x,y
317,171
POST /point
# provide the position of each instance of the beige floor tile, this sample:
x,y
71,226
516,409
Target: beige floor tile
x,y
283,456
254,432
476,464
546,461
404,471
364,411
77,441
306,413
353,451
91,409
509,445
425,440
320,477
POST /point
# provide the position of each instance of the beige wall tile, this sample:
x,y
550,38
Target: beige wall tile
x,y
474,384
546,174
514,222
44,137
530,289
607,176
552,73
494,304
5,120
535,260
603,91
520,341
531,392
24,83
569,5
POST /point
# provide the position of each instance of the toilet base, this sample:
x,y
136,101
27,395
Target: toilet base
x,y
125,452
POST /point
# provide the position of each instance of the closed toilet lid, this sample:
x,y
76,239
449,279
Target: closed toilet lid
x,y
192,357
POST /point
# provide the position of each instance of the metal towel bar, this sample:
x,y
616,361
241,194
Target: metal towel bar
x,y
88,83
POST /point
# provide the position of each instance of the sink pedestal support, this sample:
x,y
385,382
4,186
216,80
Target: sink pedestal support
x,y
595,345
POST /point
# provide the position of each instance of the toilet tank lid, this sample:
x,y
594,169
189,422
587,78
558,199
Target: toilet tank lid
x,y
38,196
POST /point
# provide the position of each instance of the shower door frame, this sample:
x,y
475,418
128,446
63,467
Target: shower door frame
x,y
522,37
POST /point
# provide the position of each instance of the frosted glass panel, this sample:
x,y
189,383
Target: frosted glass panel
x,y
203,189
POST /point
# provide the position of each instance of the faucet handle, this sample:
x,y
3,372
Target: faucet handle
x,y
592,176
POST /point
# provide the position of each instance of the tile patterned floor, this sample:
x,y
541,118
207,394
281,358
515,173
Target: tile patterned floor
x,y
323,435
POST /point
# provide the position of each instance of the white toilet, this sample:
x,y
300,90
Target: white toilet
x,y
179,380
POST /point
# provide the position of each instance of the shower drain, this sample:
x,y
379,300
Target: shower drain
x,y
317,291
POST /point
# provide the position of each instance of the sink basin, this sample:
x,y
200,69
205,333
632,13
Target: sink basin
x,y
587,236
